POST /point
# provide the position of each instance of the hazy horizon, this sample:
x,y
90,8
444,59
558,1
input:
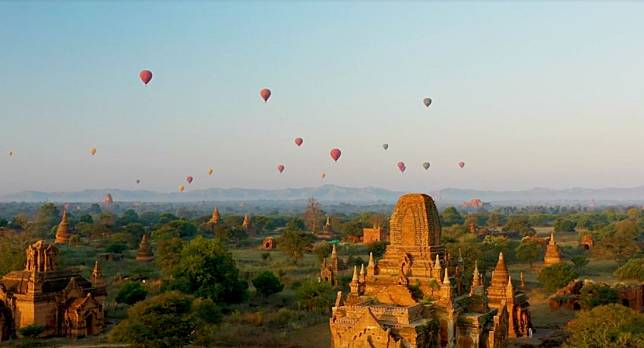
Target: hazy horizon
x,y
527,94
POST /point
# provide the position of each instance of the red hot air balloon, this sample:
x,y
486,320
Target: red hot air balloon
x,y
146,76
299,141
401,166
280,168
189,179
461,164
265,93
335,154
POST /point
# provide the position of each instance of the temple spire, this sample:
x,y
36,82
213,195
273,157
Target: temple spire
x,y
446,279
214,219
97,275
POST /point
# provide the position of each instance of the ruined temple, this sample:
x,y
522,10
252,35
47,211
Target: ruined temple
x,y
247,226
552,255
62,301
268,244
62,231
415,296
372,235
329,269
144,254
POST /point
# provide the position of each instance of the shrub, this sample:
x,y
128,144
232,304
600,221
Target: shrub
x,y
131,293
593,295
267,284
31,331
633,269
612,325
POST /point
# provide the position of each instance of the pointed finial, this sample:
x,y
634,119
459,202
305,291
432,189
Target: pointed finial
x,y
522,279
333,251
460,256
371,261
355,274
446,279
437,263
328,220
552,238
362,269
500,255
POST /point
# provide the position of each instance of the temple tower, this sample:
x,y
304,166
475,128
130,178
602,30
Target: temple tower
x,y
214,219
144,254
552,255
62,232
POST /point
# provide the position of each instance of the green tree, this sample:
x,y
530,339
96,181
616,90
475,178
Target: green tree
x,y
168,254
177,228
267,284
556,276
293,243
12,251
377,248
31,331
166,320
207,269
128,217
451,216
322,249
131,293
495,220
593,295
47,217
564,225
529,250
315,296
579,262
519,224
632,269
612,325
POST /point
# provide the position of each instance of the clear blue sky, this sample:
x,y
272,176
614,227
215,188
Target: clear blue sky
x,y
528,94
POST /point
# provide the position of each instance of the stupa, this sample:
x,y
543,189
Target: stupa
x,y
552,255
144,254
62,231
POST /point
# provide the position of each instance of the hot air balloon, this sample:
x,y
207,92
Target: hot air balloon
x,y
280,168
92,151
210,171
426,165
146,76
181,188
265,93
335,154
385,146
461,164
189,179
401,166
427,102
323,175
10,153
138,181
299,141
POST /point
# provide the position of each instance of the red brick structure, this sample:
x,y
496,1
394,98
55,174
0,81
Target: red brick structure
x,y
374,234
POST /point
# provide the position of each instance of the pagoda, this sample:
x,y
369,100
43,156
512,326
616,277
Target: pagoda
x,y
327,231
144,254
552,255
214,219
62,231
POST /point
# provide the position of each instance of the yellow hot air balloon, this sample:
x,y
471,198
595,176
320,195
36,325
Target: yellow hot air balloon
x,y
92,151
210,171
181,188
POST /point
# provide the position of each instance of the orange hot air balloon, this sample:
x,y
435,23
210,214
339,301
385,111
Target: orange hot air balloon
x,y
299,141
335,154
181,188
265,93
280,168
461,164
189,179
323,175
401,166
92,151
146,76
210,171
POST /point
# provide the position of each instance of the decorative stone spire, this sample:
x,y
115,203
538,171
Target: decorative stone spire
x,y
552,255
97,276
62,232
460,257
246,223
476,277
363,276
500,275
522,282
328,221
371,266
509,290
446,289
446,279
355,284
437,268
334,259
552,239
214,219
144,253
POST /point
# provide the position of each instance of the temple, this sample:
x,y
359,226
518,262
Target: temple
x,y
61,301
214,219
62,231
415,296
329,269
372,235
327,231
247,226
144,254
552,255
108,200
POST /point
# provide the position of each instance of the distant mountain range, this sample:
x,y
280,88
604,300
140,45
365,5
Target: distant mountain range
x,y
339,194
